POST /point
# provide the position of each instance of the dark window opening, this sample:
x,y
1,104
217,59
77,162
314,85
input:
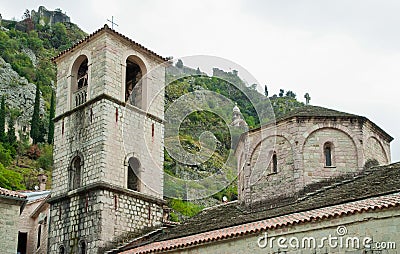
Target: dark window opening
x,y
328,154
82,78
82,247
39,236
133,174
75,173
274,163
79,77
22,242
133,90
61,250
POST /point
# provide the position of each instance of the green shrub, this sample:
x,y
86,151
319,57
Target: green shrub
x,y
10,179
5,156
184,207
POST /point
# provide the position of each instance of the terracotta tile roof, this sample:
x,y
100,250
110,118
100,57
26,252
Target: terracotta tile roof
x,y
9,193
377,188
105,28
365,205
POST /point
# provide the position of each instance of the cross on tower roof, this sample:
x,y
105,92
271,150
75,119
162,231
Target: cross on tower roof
x,y
112,22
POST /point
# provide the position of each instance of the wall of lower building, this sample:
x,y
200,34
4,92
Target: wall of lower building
x,y
9,215
27,225
375,228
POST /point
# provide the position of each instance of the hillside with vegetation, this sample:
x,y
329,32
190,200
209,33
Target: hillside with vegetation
x,y
256,109
27,83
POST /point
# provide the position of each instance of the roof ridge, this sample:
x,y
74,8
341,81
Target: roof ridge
x,y
106,28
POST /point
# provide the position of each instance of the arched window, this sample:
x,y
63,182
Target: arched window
x,y
80,81
134,174
328,147
133,83
61,249
75,173
82,247
274,163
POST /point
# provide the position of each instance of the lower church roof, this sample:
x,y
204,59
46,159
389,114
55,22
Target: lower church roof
x,y
377,188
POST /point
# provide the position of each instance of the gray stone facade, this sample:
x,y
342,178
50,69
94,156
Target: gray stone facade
x,y
298,143
91,205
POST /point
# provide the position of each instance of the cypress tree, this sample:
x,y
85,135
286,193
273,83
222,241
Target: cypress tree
x,y
3,120
50,136
35,122
11,138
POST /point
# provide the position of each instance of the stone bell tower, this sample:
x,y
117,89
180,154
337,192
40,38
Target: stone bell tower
x,y
108,146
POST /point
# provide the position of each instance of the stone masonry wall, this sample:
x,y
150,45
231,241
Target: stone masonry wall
x,y
268,184
299,142
344,155
99,217
9,214
375,145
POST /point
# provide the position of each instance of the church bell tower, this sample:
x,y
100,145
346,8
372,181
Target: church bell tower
x,y
108,146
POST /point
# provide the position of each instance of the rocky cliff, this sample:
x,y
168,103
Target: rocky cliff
x,y
20,94
46,17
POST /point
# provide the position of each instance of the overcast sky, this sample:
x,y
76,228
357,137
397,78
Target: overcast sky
x,y
346,54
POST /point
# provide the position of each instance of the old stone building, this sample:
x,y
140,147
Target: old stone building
x,y
33,223
11,205
108,146
308,145
307,174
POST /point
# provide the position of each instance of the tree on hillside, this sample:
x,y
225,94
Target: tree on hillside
x,y
281,92
3,120
291,94
50,136
35,122
266,91
28,21
11,138
59,38
179,64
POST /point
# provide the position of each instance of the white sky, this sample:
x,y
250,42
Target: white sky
x,y
346,54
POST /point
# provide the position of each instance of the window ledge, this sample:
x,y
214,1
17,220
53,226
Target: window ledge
x,y
329,166
272,173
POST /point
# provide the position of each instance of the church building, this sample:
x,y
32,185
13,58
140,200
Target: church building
x,y
307,174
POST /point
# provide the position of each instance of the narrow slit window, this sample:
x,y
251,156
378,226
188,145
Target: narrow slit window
x,y
61,250
82,247
274,163
328,154
39,236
